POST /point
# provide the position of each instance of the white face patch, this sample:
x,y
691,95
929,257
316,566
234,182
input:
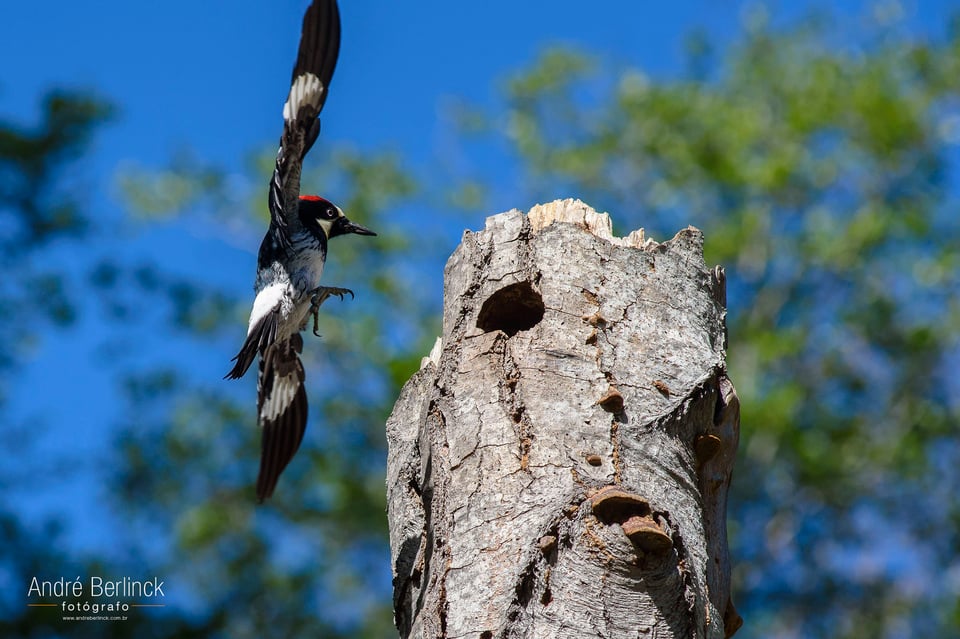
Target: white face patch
x,y
327,225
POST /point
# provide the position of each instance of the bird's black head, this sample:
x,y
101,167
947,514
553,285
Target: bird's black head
x,y
322,216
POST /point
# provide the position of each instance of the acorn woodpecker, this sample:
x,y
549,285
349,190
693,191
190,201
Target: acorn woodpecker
x,y
292,255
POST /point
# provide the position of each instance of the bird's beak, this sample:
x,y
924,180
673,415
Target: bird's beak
x,y
346,226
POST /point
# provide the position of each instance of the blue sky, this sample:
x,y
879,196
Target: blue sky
x,y
212,77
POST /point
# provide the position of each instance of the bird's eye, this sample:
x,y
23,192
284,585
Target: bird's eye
x,y
330,214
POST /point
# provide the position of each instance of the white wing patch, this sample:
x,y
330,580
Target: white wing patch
x,y
265,302
281,396
307,89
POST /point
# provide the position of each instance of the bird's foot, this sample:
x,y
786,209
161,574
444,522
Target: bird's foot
x,y
318,296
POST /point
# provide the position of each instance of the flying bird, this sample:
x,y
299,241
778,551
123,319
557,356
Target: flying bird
x,y
292,255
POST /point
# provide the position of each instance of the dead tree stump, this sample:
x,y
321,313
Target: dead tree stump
x,y
559,465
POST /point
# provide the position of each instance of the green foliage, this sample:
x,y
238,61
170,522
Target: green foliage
x,y
40,212
33,163
38,205
158,194
824,178
820,177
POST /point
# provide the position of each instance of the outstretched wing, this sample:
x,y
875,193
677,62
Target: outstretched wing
x,y
316,60
281,410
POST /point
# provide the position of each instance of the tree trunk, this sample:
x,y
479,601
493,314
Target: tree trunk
x,y
559,465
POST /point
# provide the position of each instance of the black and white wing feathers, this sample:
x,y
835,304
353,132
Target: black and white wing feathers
x,y
261,334
309,85
319,45
281,410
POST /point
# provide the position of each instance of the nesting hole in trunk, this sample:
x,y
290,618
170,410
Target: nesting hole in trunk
x,y
511,309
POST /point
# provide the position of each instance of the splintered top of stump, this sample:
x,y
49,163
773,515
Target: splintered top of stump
x,y
577,212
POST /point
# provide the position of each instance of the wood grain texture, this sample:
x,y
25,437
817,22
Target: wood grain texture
x,y
570,361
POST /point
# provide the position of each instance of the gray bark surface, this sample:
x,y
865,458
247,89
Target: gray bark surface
x,y
559,466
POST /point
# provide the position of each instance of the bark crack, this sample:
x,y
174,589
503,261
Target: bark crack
x,y
617,450
510,397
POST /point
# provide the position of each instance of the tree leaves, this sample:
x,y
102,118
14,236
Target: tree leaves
x,y
820,177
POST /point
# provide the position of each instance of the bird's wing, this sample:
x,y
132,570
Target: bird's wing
x,y
262,332
282,410
316,60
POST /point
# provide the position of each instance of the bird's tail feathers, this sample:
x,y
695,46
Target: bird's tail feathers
x,y
282,410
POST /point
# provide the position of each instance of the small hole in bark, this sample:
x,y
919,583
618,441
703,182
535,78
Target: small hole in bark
x,y
546,597
486,634
512,309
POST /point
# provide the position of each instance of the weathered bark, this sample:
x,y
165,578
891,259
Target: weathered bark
x,y
559,465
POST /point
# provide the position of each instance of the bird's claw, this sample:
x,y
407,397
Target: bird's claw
x,y
318,296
